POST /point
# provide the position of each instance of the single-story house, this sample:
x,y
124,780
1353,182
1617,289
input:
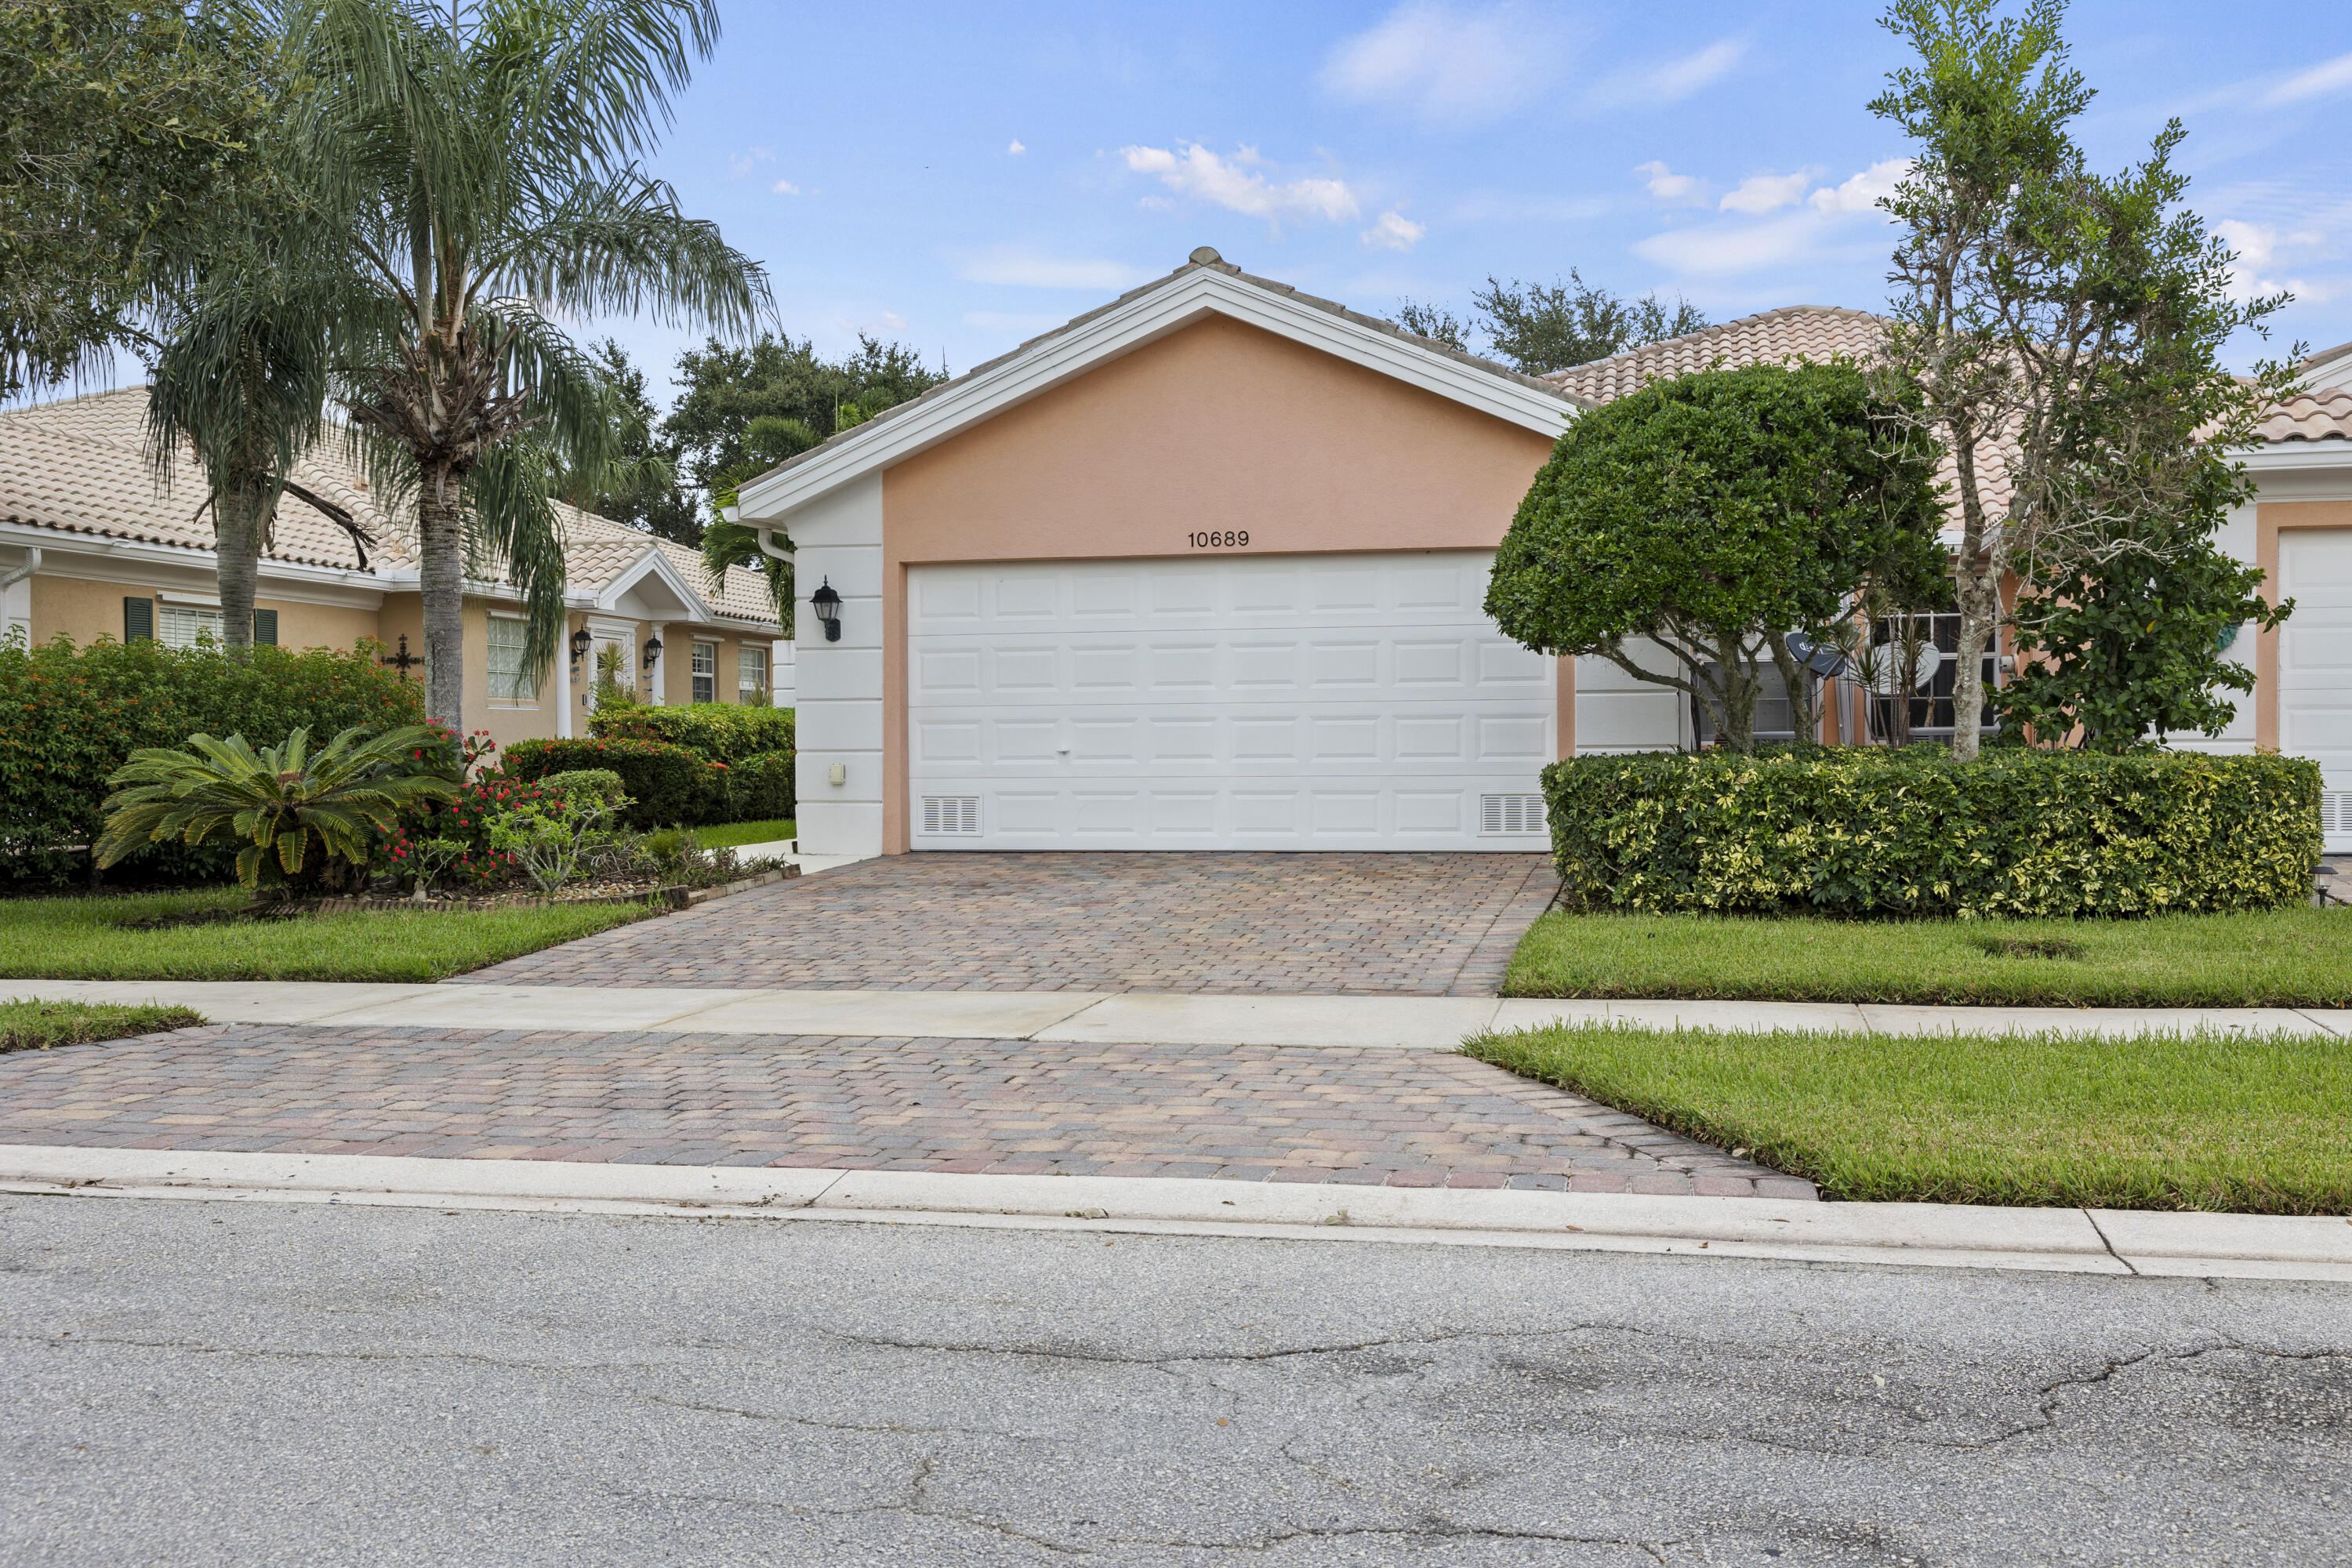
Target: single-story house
x,y
94,544
1205,569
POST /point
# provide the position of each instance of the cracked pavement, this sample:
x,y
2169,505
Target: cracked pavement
x,y
249,1383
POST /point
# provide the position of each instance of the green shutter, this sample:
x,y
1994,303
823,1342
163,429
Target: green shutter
x,y
138,620
265,628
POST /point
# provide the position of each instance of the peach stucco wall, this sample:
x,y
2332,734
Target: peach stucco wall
x,y
1218,427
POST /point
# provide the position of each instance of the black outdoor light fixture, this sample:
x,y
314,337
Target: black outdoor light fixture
x,y
579,644
827,606
653,652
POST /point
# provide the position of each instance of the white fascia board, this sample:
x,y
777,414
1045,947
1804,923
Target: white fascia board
x,y
1152,315
654,563
2288,455
97,557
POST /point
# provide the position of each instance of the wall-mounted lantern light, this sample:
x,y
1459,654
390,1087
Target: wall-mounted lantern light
x,y
581,642
653,652
827,602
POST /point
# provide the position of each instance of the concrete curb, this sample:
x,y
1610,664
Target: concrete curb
x,y
1097,1017
2075,1241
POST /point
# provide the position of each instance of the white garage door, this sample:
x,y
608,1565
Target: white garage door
x,y
1274,703
2315,666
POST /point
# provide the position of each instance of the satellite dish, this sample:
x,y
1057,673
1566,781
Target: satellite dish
x,y
1886,676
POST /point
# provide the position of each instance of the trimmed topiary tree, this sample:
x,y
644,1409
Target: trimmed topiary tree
x,y
1719,515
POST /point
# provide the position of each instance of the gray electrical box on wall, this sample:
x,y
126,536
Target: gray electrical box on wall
x,y
838,773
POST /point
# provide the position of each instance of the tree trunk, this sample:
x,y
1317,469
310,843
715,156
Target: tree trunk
x,y
441,550
236,557
1978,584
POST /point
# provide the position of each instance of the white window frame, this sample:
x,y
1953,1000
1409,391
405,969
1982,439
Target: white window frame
x,y
511,686
702,672
180,626
751,671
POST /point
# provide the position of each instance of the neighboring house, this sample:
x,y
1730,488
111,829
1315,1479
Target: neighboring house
x,y
93,545
1206,569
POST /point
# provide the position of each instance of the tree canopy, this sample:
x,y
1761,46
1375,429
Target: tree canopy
x,y
1539,328
1718,515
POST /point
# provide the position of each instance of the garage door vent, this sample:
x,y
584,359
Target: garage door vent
x,y
955,815
1510,813
2336,811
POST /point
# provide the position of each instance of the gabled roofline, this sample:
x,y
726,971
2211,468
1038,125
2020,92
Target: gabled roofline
x,y
652,563
1204,286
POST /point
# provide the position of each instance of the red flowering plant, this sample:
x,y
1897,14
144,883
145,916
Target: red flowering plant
x,y
495,829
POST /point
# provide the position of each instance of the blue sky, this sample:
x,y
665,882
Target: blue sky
x,y
963,177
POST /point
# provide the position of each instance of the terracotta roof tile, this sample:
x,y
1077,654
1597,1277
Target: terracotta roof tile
x,y
79,466
2324,415
1804,332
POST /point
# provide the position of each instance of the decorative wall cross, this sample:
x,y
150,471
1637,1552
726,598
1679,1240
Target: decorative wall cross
x,y
404,661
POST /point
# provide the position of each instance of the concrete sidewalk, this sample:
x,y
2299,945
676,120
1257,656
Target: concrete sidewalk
x,y
1134,1017
2080,1241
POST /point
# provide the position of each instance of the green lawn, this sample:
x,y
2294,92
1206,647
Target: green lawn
x,y
728,832
79,939
32,1025
2279,958
2166,1121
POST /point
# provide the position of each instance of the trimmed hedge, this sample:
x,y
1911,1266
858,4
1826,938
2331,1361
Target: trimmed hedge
x,y
1870,831
669,785
70,716
719,731
600,784
761,786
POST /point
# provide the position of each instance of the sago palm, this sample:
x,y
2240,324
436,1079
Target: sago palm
x,y
483,177
281,801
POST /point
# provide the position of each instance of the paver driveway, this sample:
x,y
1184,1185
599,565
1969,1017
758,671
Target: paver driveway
x,y
1319,924
1420,1119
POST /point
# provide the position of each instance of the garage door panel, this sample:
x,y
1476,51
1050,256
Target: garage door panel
x,y
2315,666
1354,702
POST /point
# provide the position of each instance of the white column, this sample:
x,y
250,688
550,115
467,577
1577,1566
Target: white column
x,y
661,661
563,682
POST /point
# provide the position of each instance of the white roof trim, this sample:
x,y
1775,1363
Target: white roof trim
x,y
1192,296
652,564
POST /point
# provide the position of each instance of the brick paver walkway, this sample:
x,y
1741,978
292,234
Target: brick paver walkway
x,y
1326,924
1404,1119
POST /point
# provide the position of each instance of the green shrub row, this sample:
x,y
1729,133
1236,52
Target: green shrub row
x,y
1910,832
70,716
669,785
721,731
761,786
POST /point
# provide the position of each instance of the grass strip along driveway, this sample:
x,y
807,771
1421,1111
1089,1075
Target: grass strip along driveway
x,y
2278,958
729,834
2162,1121
86,939
36,1026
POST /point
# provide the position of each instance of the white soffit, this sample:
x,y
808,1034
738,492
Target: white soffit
x,y
1192,296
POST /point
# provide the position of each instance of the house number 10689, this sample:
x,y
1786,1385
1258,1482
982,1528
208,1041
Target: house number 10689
x,y
1231,539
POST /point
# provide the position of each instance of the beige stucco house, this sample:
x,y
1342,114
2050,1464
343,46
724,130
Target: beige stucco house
x,y
1205,568
93,544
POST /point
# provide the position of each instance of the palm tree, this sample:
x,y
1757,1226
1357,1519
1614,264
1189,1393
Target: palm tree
x,y
483,178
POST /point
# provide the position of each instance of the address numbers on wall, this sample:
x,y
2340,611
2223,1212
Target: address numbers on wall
x,y
1231,539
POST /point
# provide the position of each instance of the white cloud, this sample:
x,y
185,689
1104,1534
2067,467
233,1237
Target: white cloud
x,y
1016,149
785,188
1763,193
1664,184
1023,268
1237,184
1395,231
1830,222
1446,65
2327,76
750,158
1675,80
1863,192
891,321
2257,247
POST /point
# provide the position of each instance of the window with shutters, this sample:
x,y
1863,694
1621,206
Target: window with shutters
x,y
182,625
751,675
510,682
706,672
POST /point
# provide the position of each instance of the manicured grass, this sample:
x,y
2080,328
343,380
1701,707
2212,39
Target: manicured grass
x,y
79,939
2297,957
2162,1121
32,1025
728,832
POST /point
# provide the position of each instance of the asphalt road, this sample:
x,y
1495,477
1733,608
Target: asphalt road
x,y
251,1383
